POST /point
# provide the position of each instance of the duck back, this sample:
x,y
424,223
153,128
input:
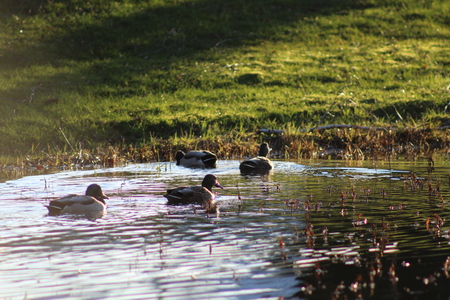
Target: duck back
x,y
256,165
188,195
74,204
196,159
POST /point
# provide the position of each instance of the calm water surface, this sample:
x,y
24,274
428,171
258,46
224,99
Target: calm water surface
x,y
360,230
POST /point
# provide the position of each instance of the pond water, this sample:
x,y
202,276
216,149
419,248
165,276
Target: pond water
x,y
311,230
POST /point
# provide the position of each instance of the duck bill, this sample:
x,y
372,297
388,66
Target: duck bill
x,y
218,185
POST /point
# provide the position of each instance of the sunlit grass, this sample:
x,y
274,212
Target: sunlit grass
x,y
81,74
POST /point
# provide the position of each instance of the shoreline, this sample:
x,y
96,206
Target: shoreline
x,y
338,143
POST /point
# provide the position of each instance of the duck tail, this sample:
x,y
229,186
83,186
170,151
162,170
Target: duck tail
x,y
53,210
209,160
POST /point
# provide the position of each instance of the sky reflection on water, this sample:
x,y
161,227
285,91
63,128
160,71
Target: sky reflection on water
x,y
289,235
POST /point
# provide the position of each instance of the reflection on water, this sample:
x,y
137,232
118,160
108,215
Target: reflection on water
x,y
317,230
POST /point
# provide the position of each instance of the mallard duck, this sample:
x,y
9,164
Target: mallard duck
x,y
259,164
195,194
199,159
92,202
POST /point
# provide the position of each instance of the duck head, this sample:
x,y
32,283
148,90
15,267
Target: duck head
x,y
209,181
180,154
264,150
94,190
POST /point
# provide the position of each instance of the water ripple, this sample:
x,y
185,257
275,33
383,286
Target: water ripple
x,y
256,247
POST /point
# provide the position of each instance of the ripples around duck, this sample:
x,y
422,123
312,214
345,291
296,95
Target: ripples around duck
x,y
270,234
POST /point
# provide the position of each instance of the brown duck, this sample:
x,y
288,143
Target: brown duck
x,y
195,194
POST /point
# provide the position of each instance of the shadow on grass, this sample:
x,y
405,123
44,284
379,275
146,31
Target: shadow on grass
x,y
117,50
157,36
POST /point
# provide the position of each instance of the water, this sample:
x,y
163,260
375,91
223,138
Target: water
x,y
310,230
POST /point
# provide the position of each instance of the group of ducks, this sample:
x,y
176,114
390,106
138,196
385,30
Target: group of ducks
x,y
93,202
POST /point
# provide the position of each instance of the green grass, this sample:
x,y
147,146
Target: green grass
x,y
79,74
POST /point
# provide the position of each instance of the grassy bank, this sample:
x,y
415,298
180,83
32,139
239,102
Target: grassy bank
x,y
153,76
